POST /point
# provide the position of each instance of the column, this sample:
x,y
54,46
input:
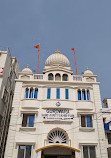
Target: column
x,y
77,154
39,154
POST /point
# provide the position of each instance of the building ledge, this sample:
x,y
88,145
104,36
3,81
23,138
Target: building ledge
x,y
58,121
87,129
84,105
27,129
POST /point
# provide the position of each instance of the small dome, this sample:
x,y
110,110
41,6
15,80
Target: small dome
x,y
88,72
57,59
27,70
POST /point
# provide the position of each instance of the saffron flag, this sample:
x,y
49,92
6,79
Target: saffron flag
x,y
37,46
72,49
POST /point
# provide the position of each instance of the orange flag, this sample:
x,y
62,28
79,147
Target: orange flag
x,y
72,49
37,46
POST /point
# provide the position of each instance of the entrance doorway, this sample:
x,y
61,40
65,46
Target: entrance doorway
x,y
58,152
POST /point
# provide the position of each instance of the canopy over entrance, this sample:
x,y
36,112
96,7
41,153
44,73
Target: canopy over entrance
x,y
62,146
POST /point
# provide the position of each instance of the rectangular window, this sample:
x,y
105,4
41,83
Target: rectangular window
x,y
66,94
48,93
109,138
57,93
89,152
24,151
79,95
28,120
86,121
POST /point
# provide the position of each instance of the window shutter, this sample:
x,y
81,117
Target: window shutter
x,y
36,93
48,93
85,152
31,121
58,93
27,93
87,95
83,95
24,122
89,121
66,94
79,95
28,152
21,151
92,152
83,122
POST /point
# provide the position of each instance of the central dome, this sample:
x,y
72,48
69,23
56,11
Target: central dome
x,y
57,59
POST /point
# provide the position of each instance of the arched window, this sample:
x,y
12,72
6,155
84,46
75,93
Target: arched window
x,y
88,95
50,76
83,95
31,93
57,136
58,77
65,77
79,94
36,93
27,93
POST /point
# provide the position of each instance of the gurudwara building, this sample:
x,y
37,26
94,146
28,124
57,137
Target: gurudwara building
x,y
56,114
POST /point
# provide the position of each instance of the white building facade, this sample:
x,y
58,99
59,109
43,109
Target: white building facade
x,y
8,73
56,114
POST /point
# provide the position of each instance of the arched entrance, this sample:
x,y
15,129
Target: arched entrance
x,y
57,151
57,140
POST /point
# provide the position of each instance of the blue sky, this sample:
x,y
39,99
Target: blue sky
x,y
62,24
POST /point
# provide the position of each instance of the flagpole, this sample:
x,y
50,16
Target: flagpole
x,y
38,62
75,59
38,47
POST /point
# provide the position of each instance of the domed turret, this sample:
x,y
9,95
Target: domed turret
x,y
57,62
57,59
88,72
27,70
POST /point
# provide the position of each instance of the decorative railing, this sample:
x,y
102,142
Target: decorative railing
x,y
77,78
38,76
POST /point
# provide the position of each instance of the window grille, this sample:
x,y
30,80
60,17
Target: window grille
x,y
57,136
